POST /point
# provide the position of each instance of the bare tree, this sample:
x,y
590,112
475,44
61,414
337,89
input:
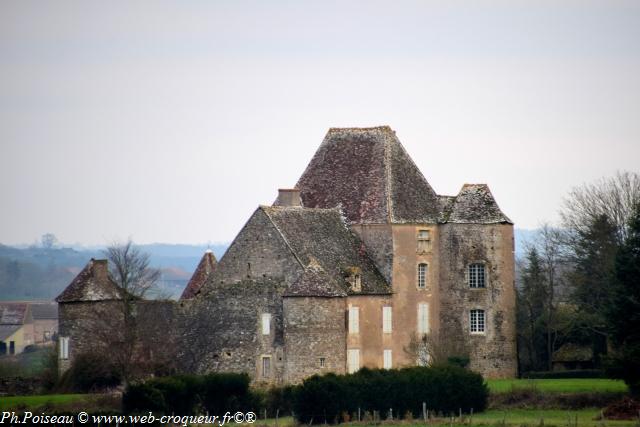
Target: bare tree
x,y
130,269
432,349
614,197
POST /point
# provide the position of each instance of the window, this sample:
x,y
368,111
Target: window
x,y
476,321
357,283
423,318
354,320
322,362
386,320
424,241
353,360
266,366
422,276
266,323
476,276
386,362
64,347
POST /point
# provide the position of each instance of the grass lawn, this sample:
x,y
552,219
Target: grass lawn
x,y
532,417
13,402
511,418
572,385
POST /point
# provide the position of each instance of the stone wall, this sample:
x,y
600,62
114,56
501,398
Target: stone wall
x,y
224,332
494,352
314,328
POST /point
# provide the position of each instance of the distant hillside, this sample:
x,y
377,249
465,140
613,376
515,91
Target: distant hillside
x,y
36,273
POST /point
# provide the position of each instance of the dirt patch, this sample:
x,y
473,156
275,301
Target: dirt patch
x,y
624,409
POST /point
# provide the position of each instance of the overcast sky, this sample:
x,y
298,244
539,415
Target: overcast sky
x,y
173,121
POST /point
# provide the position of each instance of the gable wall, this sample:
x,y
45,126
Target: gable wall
x,y
261,245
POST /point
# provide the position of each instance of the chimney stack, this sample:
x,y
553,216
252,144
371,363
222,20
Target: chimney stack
x,y
289,198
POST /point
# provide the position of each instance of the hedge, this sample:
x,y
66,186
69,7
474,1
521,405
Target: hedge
x,y
190,394
445,389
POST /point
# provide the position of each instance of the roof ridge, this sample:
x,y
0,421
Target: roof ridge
x,y
286,242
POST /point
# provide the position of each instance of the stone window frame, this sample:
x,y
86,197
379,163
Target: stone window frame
x,y
350,352
354,320
425,277
479,321
63,351
422,328
266,368
387,319
423,240
468,275
265,323
387,358
322,362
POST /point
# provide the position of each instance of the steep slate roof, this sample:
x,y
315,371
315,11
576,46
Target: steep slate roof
x,y
44,310
14,313
206,266
315,282
93,283
475,204
321,236
369,174
7,330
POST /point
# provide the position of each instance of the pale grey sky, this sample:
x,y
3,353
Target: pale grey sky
x,y
172,121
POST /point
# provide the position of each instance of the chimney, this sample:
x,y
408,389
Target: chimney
x,y
289,198
100,269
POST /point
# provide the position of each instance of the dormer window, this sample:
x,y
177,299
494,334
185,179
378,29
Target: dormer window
x,y
424,241
353,276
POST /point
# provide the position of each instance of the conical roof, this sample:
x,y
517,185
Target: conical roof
x,y
206,266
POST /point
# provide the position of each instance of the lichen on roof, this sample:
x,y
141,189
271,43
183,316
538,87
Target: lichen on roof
x,y
206,266
368,173
320,236
475,204
315,282
14,313
93,283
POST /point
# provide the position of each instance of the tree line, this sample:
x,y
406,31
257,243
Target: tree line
x,y
578,293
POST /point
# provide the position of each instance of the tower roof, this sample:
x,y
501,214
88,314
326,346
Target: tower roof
x,y
475,204
368,173
93,283
206,266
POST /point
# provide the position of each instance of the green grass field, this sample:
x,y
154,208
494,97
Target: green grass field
x,y
549,417
577,385
14,402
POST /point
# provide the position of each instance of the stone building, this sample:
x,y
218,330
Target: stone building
x,y
361,264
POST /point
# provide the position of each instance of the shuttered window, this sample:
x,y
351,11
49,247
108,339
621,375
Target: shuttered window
x,y
423,318
354,320
386,320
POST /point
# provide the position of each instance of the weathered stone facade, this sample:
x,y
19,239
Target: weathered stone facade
x,y
357,264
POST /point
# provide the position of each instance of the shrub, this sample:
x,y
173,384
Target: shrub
x,y
186,394
443,388
90,372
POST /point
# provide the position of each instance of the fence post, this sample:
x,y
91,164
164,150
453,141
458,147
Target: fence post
x,y
358,414
277,413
